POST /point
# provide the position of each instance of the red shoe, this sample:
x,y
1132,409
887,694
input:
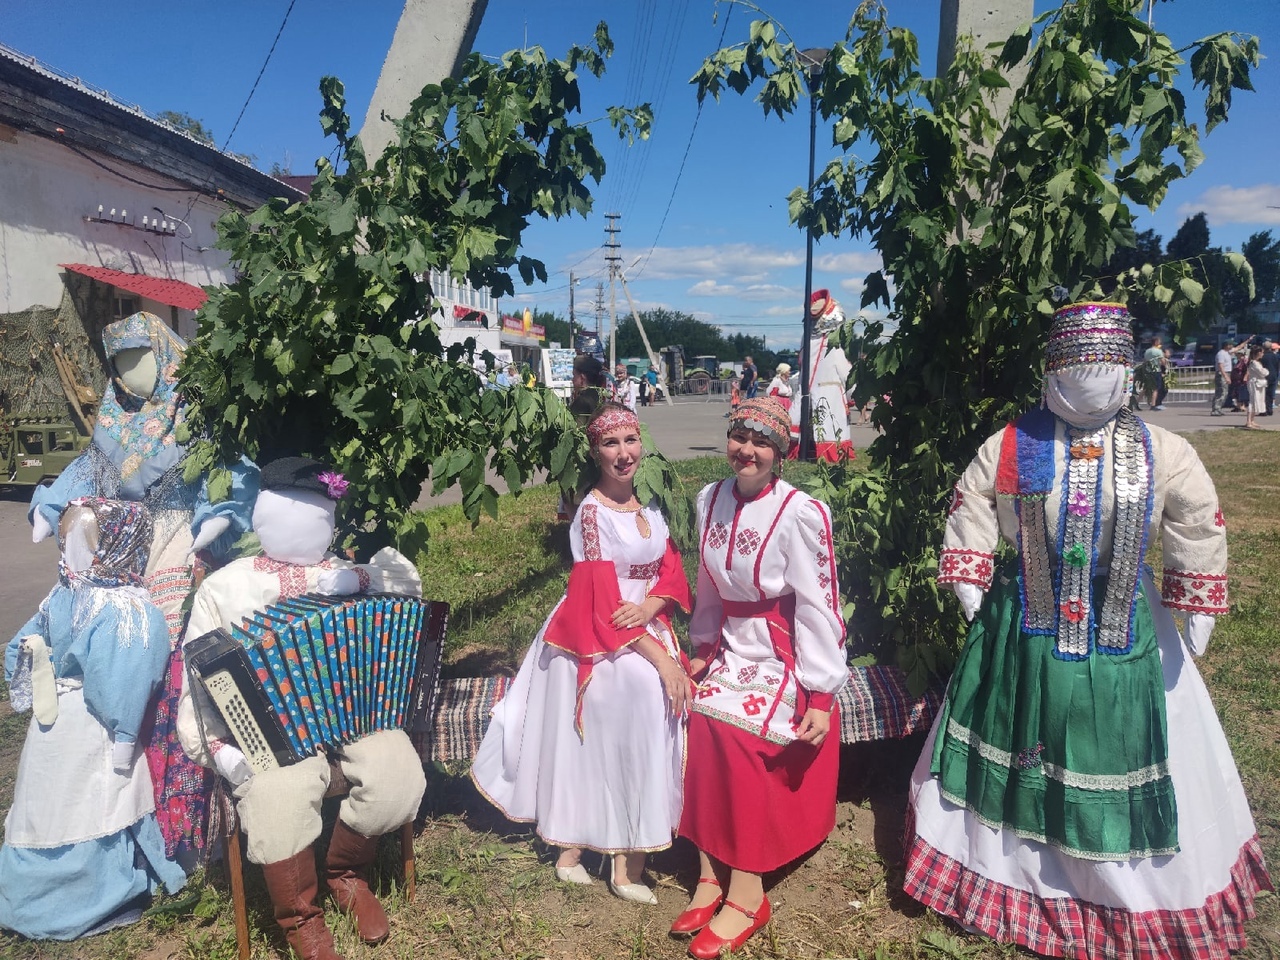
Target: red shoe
x,y
707,945
695,918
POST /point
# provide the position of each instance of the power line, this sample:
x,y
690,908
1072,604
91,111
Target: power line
x,y
235,126
679,173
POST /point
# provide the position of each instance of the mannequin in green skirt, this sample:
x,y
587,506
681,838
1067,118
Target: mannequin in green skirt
x,y
1076,795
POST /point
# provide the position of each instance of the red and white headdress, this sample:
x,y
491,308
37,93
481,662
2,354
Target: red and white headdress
x,y
609,419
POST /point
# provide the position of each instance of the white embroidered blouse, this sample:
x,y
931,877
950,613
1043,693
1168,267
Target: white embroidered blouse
x,y
1184,512
774,546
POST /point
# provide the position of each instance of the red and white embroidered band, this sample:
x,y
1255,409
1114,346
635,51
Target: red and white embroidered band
x,y
1194,592
966,566
612,418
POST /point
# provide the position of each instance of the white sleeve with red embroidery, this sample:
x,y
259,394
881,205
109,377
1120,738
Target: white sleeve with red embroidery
x,y
969,544
708,610
821,667
584,531
1192,529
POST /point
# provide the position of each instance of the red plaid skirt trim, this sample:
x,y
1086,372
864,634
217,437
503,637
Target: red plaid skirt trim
x,y
1075,928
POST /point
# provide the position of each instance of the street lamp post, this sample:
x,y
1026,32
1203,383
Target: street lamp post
x,y
812,60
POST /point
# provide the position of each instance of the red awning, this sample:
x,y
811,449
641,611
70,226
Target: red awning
x,y
175,293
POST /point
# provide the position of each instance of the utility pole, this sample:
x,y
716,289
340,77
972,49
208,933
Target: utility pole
x,y
653,357
572,283
613,258
432,39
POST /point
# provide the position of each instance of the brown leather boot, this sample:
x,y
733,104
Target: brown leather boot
x,y
350,854
292,886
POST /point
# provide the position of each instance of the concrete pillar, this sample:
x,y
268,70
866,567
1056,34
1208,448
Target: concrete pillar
x,y
432,39
987,21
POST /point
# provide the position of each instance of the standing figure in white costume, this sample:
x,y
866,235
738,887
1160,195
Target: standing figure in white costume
x,y
826,384
588,744
1076,795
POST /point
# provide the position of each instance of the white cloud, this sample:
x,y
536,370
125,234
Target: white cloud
x,y
769,291
783,310
727,261
711,288
853,284
1259,204
750,291
859,262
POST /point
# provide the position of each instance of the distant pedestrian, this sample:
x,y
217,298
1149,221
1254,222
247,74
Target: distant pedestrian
x,y
1271,360
750,381
1256,381
1153,362
780,385
1166,367
735,397
625,390
1222,365
1239,374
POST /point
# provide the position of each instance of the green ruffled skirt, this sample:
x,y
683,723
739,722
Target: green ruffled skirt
x,y
1073,753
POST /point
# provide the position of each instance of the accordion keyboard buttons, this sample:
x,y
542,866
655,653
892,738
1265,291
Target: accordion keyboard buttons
x,y
235,711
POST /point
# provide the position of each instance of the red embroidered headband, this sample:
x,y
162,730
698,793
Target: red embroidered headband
x,y
610,419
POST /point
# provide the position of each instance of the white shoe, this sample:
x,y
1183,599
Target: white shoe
x,y
635,892
575,874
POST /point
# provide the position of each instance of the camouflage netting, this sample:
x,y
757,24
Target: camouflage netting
x,y
29,385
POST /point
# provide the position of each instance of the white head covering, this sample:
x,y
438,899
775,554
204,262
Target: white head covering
x,y
1087,363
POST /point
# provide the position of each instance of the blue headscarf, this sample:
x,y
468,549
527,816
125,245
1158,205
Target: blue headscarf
x,y
137,433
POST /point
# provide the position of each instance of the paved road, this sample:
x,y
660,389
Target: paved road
x,y
689,428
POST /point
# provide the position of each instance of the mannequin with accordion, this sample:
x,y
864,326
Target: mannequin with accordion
x,y
299,658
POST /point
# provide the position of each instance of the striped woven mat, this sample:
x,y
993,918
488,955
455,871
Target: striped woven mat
x,y
874,705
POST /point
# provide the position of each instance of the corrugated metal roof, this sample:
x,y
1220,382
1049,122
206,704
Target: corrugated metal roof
x,y
176,293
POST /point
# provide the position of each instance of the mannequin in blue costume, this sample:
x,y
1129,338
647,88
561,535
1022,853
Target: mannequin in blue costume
x,y
82,850
135,455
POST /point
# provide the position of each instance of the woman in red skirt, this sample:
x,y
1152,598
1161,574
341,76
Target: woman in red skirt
x,y
763,748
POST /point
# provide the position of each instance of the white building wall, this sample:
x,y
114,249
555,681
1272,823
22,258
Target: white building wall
x,y
46,193
453,294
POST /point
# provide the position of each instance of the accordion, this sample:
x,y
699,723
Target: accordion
x,y
312,672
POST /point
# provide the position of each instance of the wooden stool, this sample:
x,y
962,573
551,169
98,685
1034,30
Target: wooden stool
x,y
338,787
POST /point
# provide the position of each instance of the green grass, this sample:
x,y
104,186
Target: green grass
x,y
485,886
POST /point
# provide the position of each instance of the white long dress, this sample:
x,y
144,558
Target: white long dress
x,y
617,787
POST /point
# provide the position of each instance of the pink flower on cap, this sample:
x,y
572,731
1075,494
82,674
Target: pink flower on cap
x,y
335,482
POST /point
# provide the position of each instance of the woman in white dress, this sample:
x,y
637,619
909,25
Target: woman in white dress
x,y
588,744
1256,378
780,385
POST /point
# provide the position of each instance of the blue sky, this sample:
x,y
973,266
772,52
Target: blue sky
x,y
705,205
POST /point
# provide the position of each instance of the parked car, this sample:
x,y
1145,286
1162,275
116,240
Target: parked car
x,y
1185,357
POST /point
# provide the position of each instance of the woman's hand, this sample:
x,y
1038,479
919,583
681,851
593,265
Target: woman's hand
x,y
678,686
814,726
696,666
637,614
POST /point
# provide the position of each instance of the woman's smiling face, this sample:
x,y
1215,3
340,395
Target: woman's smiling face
x,y
750,455
619,452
